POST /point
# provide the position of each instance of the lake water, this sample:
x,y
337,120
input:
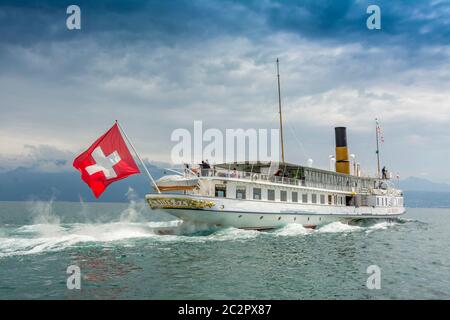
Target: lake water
x,y
121,255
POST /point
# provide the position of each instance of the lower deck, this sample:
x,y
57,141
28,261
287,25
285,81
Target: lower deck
x,y
242,213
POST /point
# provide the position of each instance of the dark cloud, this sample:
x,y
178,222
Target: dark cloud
x,y
160,65
409,22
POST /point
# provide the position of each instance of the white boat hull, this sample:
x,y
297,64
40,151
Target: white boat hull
x,y
249,214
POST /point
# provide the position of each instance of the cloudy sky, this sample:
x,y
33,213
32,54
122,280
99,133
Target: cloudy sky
x,y
160,65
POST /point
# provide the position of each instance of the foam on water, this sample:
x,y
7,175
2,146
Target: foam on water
x,y
40,238
381,226
33,239
26,246
337,226
233,234
292,230
41,229
48,234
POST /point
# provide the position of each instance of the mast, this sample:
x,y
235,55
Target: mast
x,y
139,157
378,149
279,111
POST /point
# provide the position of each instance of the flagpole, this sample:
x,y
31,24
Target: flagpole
x,y
137,155
378,149
279,109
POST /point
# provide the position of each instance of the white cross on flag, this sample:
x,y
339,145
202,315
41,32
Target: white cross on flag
x,y
106,161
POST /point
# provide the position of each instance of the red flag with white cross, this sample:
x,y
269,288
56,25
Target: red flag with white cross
x,y
106,161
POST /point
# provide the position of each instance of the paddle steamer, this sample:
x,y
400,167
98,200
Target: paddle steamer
x,y
265,195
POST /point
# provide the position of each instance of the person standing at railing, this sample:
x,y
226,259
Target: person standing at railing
x,y
203,169
207,168
384,173
187,170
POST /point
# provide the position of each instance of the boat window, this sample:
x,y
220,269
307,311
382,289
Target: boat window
x,y
294,196
283,195
305,198
322,199
330,199
257,193
314,198
240,192
378,201
220,191
271,195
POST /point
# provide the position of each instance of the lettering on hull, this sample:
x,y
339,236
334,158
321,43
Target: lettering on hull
x,y
179,203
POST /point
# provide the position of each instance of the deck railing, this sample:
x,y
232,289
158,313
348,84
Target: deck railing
x,y
252,176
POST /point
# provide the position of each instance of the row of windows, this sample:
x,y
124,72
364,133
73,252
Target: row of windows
x,y
385,202
241,193
336,180
307,197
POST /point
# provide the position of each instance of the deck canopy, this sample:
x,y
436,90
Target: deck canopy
x,y
313,177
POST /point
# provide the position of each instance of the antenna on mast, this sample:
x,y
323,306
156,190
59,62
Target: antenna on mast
x,y
279,110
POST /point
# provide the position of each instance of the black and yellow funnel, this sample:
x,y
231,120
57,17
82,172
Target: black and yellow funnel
x,y
342,161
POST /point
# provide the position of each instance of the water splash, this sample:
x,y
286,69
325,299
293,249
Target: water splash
x,y
42,211
292,229
136,208
335,227
38,238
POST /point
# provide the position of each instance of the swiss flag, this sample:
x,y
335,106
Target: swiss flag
x,y
106,161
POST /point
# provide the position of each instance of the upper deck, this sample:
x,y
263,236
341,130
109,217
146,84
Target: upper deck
x,y
294,175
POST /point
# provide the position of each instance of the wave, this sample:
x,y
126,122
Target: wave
x,y
335,227
291,230
41,238
294,229
38,238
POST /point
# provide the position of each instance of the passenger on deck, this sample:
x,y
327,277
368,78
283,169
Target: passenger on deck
x,y
204,166
384,173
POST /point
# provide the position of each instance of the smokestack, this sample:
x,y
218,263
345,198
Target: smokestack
x,y
342,160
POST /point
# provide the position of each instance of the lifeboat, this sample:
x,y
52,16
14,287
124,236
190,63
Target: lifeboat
x,y
177,183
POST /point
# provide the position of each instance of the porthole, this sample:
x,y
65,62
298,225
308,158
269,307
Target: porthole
x,y
279,218
295,218
308,218
240,216
260,218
